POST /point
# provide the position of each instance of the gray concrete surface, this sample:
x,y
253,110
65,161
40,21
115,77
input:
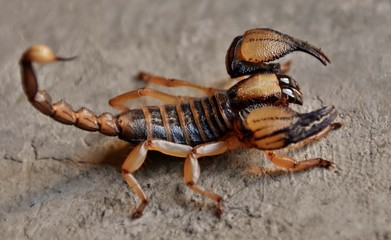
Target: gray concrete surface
x,y
58,182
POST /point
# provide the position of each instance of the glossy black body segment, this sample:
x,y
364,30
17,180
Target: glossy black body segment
x,y
191,123
310,124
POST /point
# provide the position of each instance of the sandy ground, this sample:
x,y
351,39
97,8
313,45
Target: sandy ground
x,y
58,182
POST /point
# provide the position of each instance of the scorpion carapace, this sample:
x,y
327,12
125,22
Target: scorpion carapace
x,y
248,54
254,113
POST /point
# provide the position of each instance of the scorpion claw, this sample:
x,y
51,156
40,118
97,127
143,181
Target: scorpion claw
x,y
246,54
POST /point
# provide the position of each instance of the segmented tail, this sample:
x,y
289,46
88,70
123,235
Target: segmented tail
x,y
60,111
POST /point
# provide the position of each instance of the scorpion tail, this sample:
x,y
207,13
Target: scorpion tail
x,y
274,128
60,111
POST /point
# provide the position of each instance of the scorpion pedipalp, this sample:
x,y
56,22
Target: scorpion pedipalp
x,y
277,127
249,53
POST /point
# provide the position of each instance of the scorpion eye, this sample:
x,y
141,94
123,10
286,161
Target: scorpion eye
x,y
285,80
288,92
293,95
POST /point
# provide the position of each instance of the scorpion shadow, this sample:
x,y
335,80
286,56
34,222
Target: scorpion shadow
x,y
111,154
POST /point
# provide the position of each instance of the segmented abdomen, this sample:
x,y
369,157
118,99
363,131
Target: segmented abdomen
x,y
192,123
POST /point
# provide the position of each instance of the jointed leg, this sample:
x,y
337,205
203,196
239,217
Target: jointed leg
x,y
293,165
192,169
119,101
136,158
174,83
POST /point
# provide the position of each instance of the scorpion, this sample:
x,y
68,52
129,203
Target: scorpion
x,y
253,113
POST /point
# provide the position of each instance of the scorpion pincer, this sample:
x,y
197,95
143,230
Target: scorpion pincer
x,y
254,113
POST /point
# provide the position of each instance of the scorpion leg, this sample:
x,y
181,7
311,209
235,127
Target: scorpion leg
x,y
293,165
175,83
119,101
192,168
136,158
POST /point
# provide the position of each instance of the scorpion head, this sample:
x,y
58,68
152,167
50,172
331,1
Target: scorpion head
x,y
267,89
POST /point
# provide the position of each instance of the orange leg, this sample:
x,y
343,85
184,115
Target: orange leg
x,y
292,165
175,83
137,157
119,101
192,168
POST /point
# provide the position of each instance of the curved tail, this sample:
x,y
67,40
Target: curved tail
x,y
60,111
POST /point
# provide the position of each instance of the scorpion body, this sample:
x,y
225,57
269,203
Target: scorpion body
x,y
254,113
202,120
192,123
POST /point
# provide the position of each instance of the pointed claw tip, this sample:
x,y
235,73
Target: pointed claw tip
x,y
136,215
143,76
326,163
316,52
325,61
66,58
330,165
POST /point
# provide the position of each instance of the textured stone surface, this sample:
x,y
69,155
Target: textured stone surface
x,y
58,182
